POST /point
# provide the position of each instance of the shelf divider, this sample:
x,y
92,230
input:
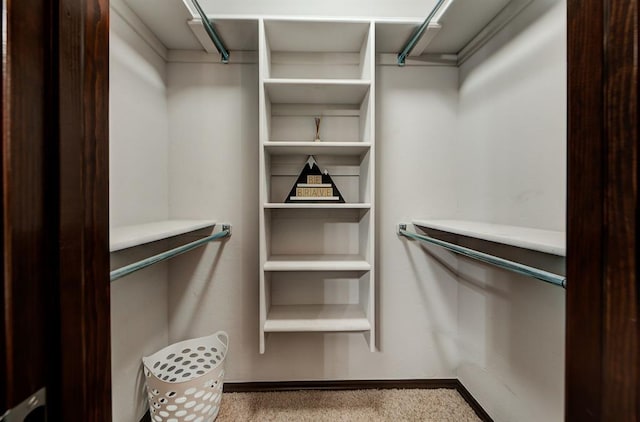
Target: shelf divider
x,y
316,318
318,206
316,263
316,148
316,91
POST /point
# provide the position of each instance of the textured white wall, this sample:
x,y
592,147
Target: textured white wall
x,y
138,126
511,161
138,193
511,146
214,174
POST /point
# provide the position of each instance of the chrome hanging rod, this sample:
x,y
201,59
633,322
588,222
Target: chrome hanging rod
x,y
402,56
131,268
211,31
515,267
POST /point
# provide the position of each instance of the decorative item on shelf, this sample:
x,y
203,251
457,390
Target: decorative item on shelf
x,y
318,120
314,186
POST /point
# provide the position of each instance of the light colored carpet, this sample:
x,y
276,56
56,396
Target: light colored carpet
x,y
439,405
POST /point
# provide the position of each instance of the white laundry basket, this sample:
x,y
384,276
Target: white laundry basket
x,y
184,380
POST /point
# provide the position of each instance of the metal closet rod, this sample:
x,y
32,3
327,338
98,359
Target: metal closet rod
x,y
211,31
402,56
131,268
515,267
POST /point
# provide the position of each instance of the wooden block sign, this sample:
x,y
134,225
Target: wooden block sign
x,y
314,179
314,192
314,186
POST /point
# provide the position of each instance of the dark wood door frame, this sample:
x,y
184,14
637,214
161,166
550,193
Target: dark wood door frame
x,y
55,324
25,246
83,53
602,349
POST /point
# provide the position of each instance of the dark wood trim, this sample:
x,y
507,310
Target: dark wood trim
x,y
4,383
83,69
253,387
621,341
26,250
585,196
471,401
602,354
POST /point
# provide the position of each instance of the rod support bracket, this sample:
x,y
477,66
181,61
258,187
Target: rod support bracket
x,y
401,226
227,227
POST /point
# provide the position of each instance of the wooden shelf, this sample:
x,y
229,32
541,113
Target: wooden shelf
x,y
316,318
316,263
316,91
547,241
317,148
283,206
240,33
312,35
139,234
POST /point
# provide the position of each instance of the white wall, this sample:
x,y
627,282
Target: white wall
x,y
138,193
511,146
416,119
214,174
138,126
511,162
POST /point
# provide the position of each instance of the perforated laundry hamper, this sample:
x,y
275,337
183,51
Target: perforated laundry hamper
x,y
184,380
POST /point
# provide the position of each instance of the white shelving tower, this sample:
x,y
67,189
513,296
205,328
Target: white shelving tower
x,y
317,260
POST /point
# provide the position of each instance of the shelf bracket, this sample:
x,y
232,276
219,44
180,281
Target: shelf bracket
x,y
419,32
212,33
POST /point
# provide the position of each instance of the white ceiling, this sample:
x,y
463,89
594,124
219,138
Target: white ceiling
x,y
167,19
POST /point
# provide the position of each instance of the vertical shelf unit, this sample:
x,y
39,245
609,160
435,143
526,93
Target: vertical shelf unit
x,y
317,259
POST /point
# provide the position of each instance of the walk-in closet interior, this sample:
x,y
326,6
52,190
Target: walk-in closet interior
x,y
463,141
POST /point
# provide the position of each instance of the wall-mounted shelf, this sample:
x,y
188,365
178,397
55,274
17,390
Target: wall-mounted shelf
x,y
316,318
240,34
316,263
329,35
317,148
316,91
139,234
547,241
320,206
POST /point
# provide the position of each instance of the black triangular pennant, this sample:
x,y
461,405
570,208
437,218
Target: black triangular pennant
x,y
313,186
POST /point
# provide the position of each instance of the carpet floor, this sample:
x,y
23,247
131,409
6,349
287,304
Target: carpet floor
x,y
438,405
